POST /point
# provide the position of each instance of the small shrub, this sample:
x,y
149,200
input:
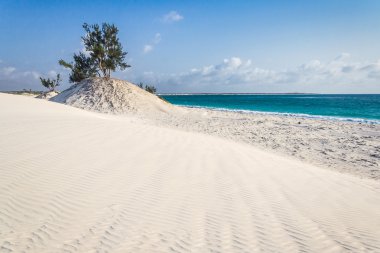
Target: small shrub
x,y
150,89
51,84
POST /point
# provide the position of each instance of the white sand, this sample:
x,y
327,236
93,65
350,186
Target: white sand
x,y
77,181
113,96
47,95
348,147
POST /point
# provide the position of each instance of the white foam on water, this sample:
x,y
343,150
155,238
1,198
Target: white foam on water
x,y
300,115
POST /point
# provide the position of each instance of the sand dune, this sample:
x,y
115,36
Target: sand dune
x,y
113,96
77,181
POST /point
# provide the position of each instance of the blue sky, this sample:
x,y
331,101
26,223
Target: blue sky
x,y
326,46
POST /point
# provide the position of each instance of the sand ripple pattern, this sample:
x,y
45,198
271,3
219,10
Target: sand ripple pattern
x,y
75,181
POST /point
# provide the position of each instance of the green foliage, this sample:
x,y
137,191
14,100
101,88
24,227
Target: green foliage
x,y
105,53
51,84
82,68
148,88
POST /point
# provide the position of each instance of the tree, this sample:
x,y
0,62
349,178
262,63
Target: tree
x,y
51,84
105,54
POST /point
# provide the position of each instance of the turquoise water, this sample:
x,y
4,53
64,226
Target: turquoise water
x,y
347,107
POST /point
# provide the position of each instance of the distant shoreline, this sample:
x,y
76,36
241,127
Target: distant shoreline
x,y
211,93
233,93
331,106
269,93
289,114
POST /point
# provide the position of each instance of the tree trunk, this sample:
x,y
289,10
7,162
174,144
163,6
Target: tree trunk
x,y
101,68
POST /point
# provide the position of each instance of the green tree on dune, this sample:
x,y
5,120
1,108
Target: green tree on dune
x,y
105,54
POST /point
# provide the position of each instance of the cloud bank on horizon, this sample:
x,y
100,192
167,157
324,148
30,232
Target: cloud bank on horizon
x,y
234,72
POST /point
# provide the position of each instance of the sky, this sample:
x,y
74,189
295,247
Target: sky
x,y
321,46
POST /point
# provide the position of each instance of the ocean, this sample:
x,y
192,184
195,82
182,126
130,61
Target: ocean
x,y
358,107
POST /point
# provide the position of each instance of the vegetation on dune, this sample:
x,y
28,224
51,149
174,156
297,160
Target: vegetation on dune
x,y
104,54
141,85
148,88
51,84
82,68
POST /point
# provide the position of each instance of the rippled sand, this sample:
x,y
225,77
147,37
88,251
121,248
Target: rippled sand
x,y
77,181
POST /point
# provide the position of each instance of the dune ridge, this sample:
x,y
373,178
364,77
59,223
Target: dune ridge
x,y
78,181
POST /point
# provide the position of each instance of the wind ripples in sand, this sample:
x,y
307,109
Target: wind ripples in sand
x,y
72,181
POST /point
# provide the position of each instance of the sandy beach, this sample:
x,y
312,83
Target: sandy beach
x,y
79,181
348,147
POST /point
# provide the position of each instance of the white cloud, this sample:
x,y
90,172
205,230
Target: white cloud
x,y
12,73
171,17
32,74
147,49
13,79
52,73
234,73
7,70
342,57
157,38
